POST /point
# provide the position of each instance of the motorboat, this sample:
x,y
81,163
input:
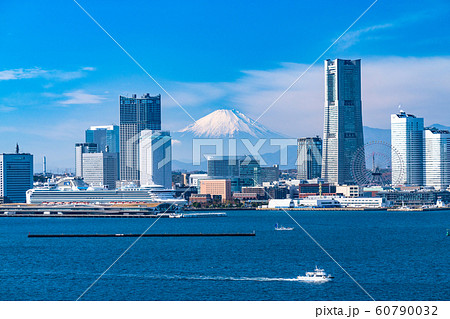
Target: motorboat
x,y
318,275
279,227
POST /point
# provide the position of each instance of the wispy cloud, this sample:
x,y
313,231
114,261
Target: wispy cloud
x,y
353,37
417,83
6,109
5,129
81,97
33,73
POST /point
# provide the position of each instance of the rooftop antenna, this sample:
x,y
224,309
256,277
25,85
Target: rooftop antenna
x,y
17,148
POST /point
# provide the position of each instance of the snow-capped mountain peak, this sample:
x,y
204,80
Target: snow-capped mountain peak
x,y
226,123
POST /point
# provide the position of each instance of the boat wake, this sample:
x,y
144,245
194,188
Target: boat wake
x,y
211,278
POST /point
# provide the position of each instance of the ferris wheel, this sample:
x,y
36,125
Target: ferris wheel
x,y
372,165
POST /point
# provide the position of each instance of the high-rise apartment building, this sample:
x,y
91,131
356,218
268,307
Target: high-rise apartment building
x,y
407,136
16,176
155,158
100,169
136,115
343,129
80,149
437,158
104,136
309,157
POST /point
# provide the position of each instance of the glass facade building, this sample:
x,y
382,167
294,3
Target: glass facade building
x,y
16,177
407,136
309,158
136,115
104,136
437,158
241,170
343,129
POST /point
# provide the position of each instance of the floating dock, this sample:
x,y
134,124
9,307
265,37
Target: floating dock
x,y
141,235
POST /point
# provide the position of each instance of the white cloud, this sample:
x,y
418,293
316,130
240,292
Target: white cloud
x,y
4,129
352,37
6,109
18,74
80,97
419,84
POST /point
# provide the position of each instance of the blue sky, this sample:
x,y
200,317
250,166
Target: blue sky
x,y
61,73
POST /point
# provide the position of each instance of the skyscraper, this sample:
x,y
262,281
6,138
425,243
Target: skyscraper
x,y
155,158
104,136
437,158
309,157
136,115
16,176
343,130
100,169
80,149
407,149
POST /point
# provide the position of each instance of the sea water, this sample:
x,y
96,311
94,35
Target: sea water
x,y
392,255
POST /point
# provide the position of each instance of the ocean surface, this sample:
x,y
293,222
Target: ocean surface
x,y
393,256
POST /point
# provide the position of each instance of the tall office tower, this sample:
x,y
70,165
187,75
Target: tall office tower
x,y
155,158
407,149
136,115
80,149
100,169
343,130
437,158
16,176
104,136
309,157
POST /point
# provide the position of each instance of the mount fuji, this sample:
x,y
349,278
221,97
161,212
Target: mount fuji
x,y
230,124
222,126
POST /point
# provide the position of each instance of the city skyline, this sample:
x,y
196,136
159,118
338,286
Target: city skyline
x,y
40,91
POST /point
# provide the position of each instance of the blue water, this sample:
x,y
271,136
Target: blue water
x,y
394,256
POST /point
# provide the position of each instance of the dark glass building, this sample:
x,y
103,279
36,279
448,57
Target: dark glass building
x,y
136,115
309,158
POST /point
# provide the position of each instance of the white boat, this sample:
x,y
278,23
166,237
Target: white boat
x,y
318,275
278,227
174,215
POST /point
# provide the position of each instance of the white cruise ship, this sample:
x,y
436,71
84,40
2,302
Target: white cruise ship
x,y
75,190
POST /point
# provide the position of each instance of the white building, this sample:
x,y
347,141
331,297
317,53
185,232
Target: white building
x,y
80,149
348,190
155,158
281,203
363,202
100,169
194,179
437,158
330,202
407,154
